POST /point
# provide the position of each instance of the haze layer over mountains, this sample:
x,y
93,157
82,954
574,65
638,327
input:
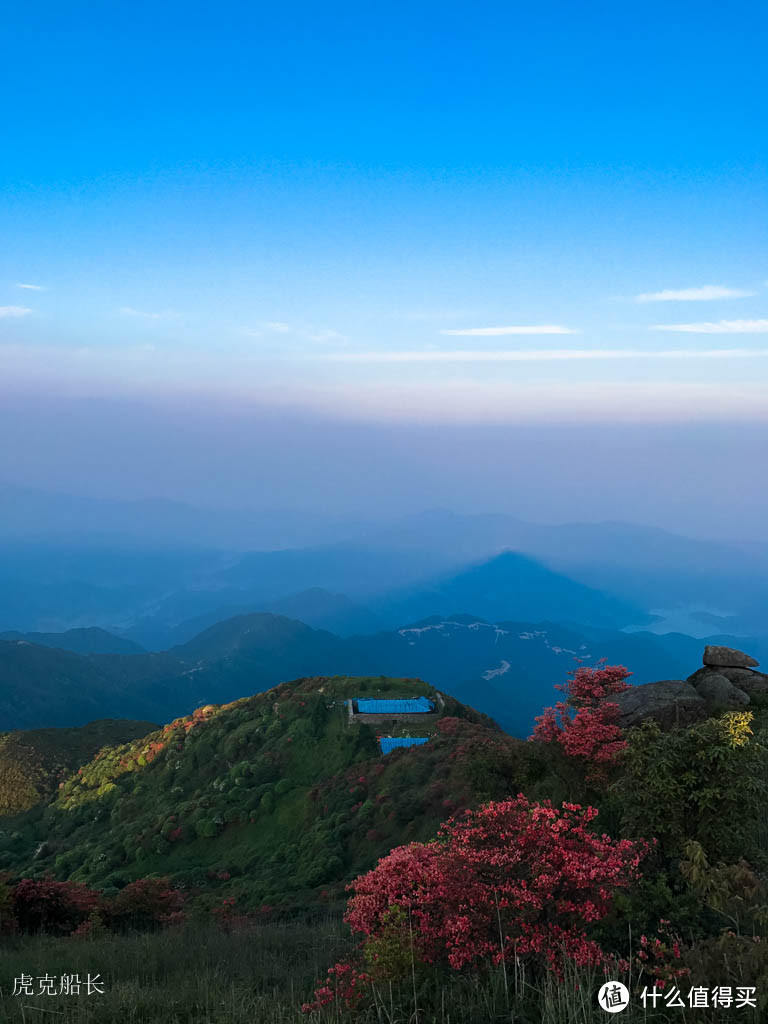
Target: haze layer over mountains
x,y
488,607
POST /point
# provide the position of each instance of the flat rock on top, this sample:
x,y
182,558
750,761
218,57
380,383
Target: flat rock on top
x,y
727,657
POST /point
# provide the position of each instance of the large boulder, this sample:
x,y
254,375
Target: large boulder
x,y
727,657
745,679
719,692
672,703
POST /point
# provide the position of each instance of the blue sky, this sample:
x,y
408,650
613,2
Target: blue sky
x,y
226,218
312,205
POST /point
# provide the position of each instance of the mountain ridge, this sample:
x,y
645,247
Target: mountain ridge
x,y
505,669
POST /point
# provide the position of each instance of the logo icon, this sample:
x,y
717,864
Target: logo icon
x,y
613,997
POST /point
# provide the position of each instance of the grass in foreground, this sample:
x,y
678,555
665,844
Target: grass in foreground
x,y
200,975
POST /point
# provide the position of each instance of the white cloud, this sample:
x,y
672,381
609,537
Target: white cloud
x,y
717,327
541,355
706,293
14,311
494,332
321,334
427,315
130,311
31,287
302,333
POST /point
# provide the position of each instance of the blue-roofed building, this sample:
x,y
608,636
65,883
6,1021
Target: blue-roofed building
x,y
404,706
390,743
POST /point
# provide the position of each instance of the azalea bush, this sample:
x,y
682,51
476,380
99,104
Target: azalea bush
x,y
35,905
44,905
585,724
147,903
512,879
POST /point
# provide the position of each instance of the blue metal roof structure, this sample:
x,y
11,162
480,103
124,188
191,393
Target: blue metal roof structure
x,y
390,743
405,706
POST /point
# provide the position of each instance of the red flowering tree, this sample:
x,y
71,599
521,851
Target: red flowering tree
x,y
585,724
513,878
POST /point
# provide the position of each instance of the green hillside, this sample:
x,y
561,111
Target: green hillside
x,y
280,788
33,762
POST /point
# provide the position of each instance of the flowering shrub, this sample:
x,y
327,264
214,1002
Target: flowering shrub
x,y
585,724
148,903
511,878
661,956
345,985
57,907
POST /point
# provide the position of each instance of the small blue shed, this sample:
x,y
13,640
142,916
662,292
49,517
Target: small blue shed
x,y
404,706
390,743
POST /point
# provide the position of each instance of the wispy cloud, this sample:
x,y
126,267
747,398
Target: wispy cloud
x,y
717,327
6,311
300,332
495,332
443,313
540,356
130,311
31,287
321,334
706,293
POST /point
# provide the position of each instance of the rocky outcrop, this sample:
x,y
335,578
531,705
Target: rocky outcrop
x,y
672,703
723,684
737,668
719,692
746,679
727,657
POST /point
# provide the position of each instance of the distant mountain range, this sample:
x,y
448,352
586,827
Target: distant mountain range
x,y
81,641
157,572
506,669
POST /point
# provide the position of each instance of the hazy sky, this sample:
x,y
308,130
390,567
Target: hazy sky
x,y
385,223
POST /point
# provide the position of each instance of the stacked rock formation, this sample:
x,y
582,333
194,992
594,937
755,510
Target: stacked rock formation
x,y
724,683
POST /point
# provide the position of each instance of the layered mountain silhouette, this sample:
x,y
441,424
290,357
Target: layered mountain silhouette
x,y
69,563
513,586
90,640
506,669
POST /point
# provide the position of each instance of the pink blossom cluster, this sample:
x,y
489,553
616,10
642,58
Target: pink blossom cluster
x,y
511,879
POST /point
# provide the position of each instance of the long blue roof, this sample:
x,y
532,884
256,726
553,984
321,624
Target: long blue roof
x,y
406,706
390,743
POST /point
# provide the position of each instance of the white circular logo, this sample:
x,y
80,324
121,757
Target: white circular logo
x,y
613,997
